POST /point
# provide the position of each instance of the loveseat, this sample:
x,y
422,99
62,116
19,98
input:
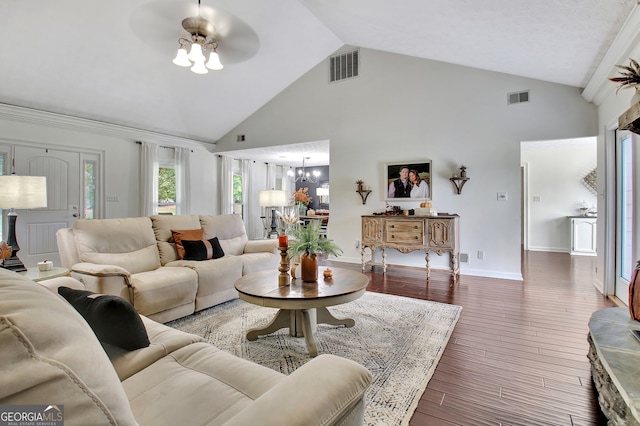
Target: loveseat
x,y
137,259
51,357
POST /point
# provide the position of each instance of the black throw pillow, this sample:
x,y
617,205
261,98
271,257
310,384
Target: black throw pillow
x,y
113,319
202,249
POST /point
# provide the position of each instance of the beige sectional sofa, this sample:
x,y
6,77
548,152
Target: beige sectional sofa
x,y
51,356
136,258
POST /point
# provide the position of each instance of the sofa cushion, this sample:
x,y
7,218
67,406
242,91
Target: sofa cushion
x,y
229,229
113,319
50,355
256,262
202,249
163,289
164,340
185,234
215,279
162,226
129,243
221,386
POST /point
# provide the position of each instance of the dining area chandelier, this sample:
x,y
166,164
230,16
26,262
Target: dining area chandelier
x,y
303,175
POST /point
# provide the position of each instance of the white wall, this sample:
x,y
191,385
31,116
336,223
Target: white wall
x,y
403,108
556,189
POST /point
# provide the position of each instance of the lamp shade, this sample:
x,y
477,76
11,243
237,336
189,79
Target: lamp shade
x,y
181,58
322,192
199,68
272,198
214,62
23,192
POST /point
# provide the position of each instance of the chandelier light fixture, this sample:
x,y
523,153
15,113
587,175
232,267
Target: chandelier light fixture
x,y
192,52
303,174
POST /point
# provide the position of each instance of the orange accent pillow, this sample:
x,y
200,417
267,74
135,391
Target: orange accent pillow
x,y
185,234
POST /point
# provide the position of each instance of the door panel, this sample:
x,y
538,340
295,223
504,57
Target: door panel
x,y
624,214
36,228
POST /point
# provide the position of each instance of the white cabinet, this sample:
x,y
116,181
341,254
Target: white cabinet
x,y
583,236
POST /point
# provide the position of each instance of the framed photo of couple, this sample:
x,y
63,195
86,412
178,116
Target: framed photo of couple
x,y
409,180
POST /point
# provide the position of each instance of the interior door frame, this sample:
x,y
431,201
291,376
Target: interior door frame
x,y
524,202
619,220
609,200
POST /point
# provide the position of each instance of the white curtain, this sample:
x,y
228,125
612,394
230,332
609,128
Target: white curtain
x,y
148,179
183,180
271,176
246,172
287,185
226,185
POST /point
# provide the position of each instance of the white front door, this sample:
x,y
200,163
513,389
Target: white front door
x,y
36,228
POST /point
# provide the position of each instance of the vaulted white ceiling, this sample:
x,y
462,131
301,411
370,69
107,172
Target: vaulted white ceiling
x,y
111,60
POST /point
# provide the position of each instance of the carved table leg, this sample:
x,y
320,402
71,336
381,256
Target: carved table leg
x,y
326,317
281,320
455,266
384,261
427,259
308,332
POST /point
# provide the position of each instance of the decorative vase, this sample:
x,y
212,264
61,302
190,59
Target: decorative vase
x,y
309,268
302,210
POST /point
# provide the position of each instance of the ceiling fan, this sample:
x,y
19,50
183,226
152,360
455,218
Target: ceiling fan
x,y
158,24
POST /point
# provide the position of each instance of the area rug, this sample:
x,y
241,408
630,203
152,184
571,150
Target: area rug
x,y
400,340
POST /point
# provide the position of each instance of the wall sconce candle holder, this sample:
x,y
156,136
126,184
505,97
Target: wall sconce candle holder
x,y
459,181
362,190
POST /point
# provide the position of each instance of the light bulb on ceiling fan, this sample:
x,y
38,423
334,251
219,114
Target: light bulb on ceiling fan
x,y
181,58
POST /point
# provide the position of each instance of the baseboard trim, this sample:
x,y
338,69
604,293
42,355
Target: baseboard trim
x,y
551,249
463,271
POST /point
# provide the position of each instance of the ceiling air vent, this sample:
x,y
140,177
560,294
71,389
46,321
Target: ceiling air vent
x,y
517,97
343,66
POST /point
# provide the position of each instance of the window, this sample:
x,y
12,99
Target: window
x,y
90,177
166,190
237,195
89,193
624,214
626,208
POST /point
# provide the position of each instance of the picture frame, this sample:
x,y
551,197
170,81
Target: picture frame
x,y
396,190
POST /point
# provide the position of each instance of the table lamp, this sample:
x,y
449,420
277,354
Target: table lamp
x,y
20,192
273,198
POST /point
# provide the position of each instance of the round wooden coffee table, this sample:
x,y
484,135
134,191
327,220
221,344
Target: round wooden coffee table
x,y
302,305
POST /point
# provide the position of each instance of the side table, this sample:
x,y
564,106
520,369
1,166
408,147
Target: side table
x,y
36,275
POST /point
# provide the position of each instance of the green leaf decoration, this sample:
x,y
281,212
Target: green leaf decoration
x,y
308,239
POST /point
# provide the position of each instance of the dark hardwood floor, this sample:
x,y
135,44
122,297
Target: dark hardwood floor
x,y
517,355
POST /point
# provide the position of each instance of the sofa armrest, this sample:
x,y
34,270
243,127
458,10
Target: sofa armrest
x,y
101,270
54,283
324,391
261,246
104,279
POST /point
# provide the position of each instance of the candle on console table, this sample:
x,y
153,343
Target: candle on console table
x,y
283,241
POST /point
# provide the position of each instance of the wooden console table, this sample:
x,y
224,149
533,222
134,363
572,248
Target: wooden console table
x,y
439,234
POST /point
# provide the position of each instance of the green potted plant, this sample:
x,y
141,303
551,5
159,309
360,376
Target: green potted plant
x,y
629,77
306,241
